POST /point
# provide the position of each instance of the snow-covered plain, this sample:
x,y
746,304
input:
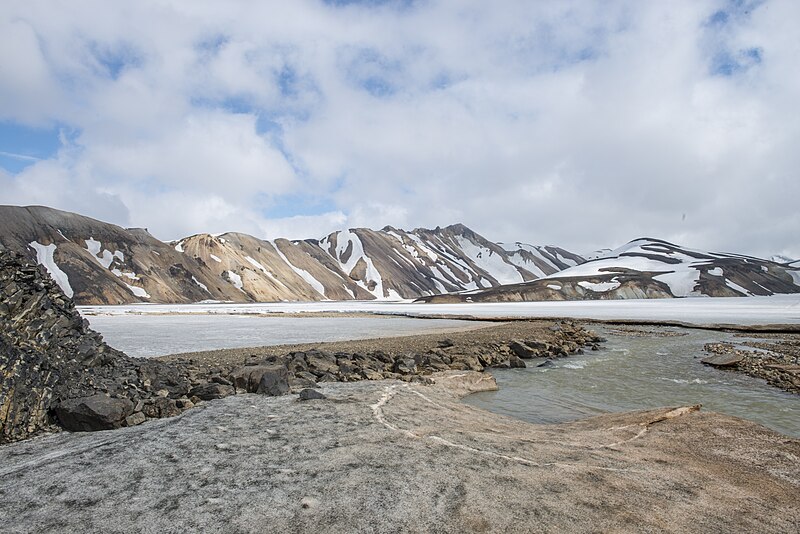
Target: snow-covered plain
x,y
777,309
147,336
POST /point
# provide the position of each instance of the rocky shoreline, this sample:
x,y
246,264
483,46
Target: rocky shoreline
x,y
774,358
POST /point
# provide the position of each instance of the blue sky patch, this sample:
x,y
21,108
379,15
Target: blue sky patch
x,y
726,63
113,61
298,204
22,146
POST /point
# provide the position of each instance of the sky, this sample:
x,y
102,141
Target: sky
x,y
583,124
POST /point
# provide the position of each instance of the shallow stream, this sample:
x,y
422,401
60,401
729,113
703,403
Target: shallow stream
x,y
635,373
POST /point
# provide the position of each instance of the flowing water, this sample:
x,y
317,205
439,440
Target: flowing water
x,y
634,373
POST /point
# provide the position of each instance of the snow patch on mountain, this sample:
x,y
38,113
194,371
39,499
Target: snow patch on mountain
x,y
236,280
305,275
201,284
490,262
600,287
138,291
44,256
106,257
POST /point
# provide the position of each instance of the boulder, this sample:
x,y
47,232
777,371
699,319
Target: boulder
x,y
274,381
247,379
537,345
321,362
515,362
311,394
522,350
723,360
161,407
136,418
212,390
97,412
405,366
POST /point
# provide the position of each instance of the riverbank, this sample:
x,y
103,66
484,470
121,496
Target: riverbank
x,y
389,456
483,339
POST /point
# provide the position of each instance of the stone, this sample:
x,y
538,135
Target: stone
x,y
212,390
311,394
371,374
217,379
274,381
161,407
136,418
723,360
321,362
298,382
405,366
184,403
522,350
547,363
247,379
515,362
97,412
537,345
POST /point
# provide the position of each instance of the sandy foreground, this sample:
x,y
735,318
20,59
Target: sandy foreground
x,y
388,456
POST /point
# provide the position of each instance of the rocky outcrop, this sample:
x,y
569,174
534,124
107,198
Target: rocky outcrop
x,y
55,370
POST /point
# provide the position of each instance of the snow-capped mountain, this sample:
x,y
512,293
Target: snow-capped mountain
x,y
651,268
100,263
780,258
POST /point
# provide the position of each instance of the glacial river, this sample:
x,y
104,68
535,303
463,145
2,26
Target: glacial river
x,y
635,373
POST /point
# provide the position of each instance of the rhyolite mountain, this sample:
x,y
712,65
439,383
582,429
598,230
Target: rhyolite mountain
x,y
100,263
648,268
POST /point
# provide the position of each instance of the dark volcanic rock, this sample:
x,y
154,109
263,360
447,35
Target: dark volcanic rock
x,y
311,394
274,381
97,412
26,391
522,350
55,369
211,391
515,362
723,360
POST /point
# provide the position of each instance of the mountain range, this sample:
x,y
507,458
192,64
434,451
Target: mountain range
x,y
649,268
100,263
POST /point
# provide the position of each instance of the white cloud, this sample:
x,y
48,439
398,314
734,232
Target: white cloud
x,y
582,124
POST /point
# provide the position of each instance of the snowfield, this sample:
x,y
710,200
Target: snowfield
x,y
777,309
44,256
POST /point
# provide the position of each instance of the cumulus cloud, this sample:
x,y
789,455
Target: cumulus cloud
x,y
583,124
